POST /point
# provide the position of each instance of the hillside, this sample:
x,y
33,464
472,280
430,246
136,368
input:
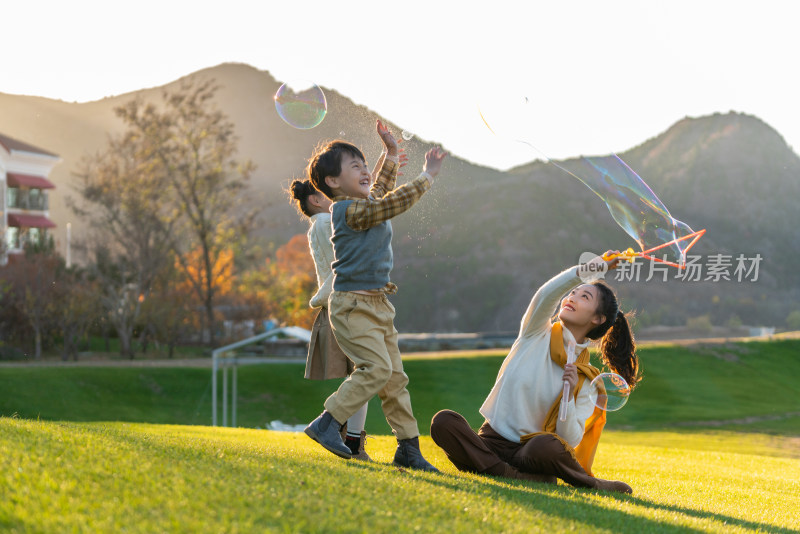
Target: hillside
x,y
73,130
469,256
731,174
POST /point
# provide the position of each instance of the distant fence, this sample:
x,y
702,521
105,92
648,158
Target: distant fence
x,y
265,348
461,341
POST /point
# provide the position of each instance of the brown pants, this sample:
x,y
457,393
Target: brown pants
x,y
488,452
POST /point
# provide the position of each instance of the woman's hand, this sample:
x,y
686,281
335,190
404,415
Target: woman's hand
x,y
615,256
571,376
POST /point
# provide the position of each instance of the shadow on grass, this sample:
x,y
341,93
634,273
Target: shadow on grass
x,y
8,524
726,519
540,496
550,504
550,500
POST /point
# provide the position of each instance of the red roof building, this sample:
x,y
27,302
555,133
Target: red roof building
x,y
24,189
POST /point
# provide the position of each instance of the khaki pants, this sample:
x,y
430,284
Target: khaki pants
x,y
364,328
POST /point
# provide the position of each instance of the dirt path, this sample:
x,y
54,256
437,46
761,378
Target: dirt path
x,y
740,421
194,362
206,362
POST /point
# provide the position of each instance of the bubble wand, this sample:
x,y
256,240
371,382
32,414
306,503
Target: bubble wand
x,y
562,412
630,254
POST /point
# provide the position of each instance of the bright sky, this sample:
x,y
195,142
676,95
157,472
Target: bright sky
x,y
571,77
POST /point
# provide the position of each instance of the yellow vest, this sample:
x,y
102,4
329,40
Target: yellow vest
x,y
586,449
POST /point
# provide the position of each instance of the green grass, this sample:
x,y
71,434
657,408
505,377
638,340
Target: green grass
x,y
719,387
710,442
125,477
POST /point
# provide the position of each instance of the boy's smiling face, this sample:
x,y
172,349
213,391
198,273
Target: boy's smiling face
x,y
353,181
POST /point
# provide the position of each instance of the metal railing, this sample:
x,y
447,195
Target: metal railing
x,y
220,359
24,201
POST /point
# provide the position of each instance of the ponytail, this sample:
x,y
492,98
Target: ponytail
x,y
617,345
618,351
299,191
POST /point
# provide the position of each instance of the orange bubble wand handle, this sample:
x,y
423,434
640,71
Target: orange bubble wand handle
x,y
629,255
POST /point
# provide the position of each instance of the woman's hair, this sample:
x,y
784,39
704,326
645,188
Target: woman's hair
x,y
299,191
327,161
617,346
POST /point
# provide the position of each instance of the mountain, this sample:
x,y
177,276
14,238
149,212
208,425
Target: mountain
x,y
469,256
729,173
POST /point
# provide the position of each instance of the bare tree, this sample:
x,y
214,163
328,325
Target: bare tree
x,y
168,191
122,194
78,307
195,146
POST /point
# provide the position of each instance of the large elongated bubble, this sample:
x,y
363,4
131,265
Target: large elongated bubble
x,y
632,204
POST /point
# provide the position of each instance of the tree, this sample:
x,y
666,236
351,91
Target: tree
x,y
193,265
78,307
700,324
195,148
168,312
31,283
283,287
793,320
122,195
168,189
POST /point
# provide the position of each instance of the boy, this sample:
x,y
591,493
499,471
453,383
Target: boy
x,y
360,313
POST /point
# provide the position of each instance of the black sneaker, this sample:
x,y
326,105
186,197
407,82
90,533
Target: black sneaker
x,y
325,431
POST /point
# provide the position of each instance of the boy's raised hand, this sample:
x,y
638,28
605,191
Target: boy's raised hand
x,y
379,163
433,161
388,139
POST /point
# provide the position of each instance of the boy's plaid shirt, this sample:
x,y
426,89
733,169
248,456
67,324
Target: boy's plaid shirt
x,y
384,201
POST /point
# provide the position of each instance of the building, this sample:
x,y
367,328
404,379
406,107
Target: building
x,y
24,190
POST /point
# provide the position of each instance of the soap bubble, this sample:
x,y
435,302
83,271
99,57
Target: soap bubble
x,y
301,105
612,391
512,117
632,204
408,136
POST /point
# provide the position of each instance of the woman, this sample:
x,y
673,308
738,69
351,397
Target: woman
x,y
523,437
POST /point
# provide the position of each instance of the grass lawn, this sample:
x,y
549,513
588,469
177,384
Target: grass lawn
x,y
126,477
700,386
710,442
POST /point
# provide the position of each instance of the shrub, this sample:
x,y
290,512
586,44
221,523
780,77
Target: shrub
x,y
700,324
793,320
